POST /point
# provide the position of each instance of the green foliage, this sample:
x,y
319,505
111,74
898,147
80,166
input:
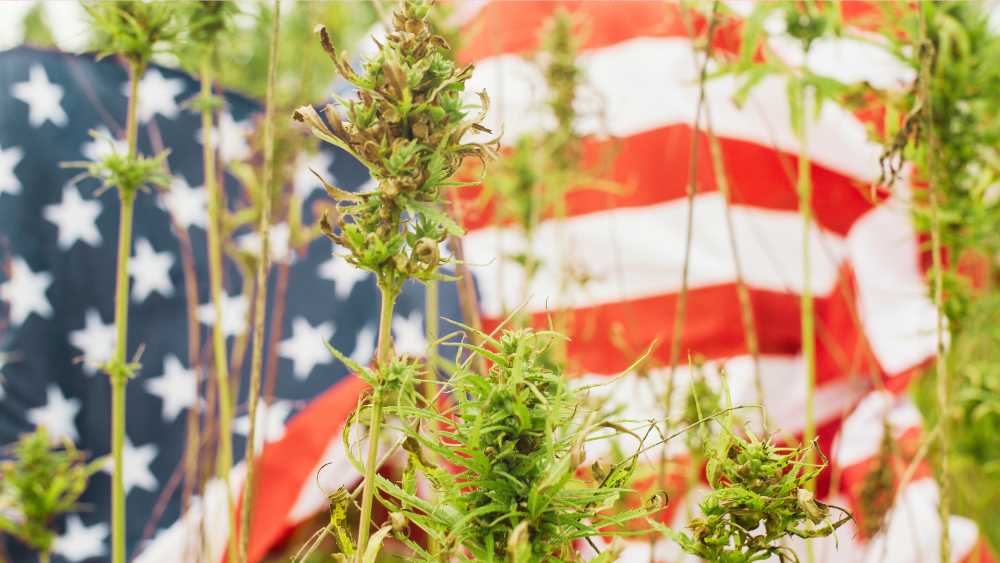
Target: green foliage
x,y
505,457
760,497
127,175
407,126
133,29
39,483
36,27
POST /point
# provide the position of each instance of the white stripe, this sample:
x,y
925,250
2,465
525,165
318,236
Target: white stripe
x,y
201,533
893,304
860,437
640,397
648,83
332,471
630,253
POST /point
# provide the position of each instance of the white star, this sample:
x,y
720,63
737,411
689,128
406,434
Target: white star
x,y
270,423
342,274
409,335
177,387
43,98
230,138
188,206
56,415
81,542
157,95
136,466
234,314
75,218
151,270
96,340
279,237
8,180
103,144
305,182
24,292
305,347
364,346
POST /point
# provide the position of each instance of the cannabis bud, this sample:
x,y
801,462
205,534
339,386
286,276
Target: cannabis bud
x,y
407,125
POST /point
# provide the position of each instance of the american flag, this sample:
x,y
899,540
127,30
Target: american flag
x,y
875,321
57,249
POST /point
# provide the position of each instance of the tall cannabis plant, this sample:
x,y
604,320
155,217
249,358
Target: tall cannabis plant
x,y
133,30
407,126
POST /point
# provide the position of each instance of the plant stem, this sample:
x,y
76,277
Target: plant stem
x,y
263,265
224,459
384,356
937,260
807,319
118,368
43,557
431,314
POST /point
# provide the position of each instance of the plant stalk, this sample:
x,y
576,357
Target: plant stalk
x,y
937,260
263,265
384,355
224,459
431,314
118,369
807,319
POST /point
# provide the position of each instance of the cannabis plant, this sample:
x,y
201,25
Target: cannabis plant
x,y
134,30
407,125
760,496
40,482
511,442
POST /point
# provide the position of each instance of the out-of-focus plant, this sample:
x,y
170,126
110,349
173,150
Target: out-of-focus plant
x,y
41,482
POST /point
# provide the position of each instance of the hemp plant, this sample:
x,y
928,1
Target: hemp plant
x,y
132,30
506,453
407,126
761,496
40,482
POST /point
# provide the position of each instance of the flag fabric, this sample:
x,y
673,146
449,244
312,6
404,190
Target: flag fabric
x,y
58,242
625,248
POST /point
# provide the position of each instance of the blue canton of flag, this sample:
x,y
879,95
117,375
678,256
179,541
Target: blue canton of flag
x,y
58,249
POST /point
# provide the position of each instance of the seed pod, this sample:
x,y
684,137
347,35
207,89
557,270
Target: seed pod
x,y
398,522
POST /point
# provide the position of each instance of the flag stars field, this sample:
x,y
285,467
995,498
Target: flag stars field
x,y
234,314
42,96
150,271
157,95
305,347
57,415
186,205
24,292
75,218
9,159
343,275
81,542
137,461
176,387
96,340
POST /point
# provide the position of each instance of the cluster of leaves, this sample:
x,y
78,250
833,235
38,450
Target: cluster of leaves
x,y
132,29
39,483
407,126
502,462
760,497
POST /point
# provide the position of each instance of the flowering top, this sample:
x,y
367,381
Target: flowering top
x,y
407,126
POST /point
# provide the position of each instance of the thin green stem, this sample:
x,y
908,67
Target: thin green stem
x,y
937,260
384,356
431,322
118,369
224,460
43,557
263,265
808,321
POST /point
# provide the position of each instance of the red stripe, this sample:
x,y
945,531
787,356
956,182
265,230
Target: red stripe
x,y
608,338
765,178
286,465
502,28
